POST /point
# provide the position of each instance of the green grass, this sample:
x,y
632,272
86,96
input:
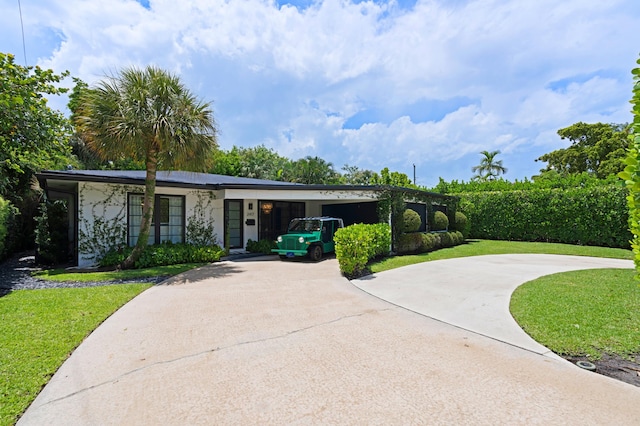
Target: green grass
x,y
61,275
483,247
589,312
38,331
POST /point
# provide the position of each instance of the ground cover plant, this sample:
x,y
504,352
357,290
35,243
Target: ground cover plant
x,y
484,247
38,331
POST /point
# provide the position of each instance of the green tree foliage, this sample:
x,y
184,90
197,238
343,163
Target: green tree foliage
x,y
147,115
631,173
7,211
88,158
257,162
32,135
489,168
311,170
596,149
355,176
389,178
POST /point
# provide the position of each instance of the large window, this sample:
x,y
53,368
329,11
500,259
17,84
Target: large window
x,y
168,219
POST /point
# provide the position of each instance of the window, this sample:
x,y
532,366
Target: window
x,y
168,219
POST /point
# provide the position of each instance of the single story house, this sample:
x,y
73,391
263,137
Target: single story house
x,y
105,207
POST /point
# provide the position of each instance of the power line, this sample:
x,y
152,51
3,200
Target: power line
x,y
24,46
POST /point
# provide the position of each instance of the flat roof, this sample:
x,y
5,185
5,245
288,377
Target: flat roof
x,y
183,179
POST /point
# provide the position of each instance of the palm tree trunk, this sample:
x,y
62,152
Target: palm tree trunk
x,y
147,211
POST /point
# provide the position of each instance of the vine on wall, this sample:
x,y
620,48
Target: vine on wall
x,y
200,229
98,235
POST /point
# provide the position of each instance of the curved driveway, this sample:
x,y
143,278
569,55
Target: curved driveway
x,y
269,342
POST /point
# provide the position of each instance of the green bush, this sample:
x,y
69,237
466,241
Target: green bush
x,y
430,242
409,243
262,246
7,212
356,244
588,216
447,240
411,221
440,221
166,253
462,224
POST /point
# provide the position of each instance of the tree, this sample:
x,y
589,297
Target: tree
x,y
355,176
32,135
597,149
147,115
389,178
310,170
489,168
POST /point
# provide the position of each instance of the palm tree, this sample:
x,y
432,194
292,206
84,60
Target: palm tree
x,y
489,168
147,115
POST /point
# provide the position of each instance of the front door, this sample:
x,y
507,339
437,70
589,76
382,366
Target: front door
x,y
233,237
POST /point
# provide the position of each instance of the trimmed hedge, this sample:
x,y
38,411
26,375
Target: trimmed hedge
x,y
462,224
262,246
356,244
440,221
411,221
423,242
166,253
587,216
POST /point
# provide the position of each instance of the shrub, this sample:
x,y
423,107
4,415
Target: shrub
x,y
440,221
409,243
462,224
411,221
447,239
7,213
430,242
589,216
166,253
261,246
356,244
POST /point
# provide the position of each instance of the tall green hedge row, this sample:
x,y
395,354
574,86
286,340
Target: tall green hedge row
x,y
588,216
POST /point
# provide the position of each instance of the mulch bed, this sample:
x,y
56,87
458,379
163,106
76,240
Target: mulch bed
x,y
615,367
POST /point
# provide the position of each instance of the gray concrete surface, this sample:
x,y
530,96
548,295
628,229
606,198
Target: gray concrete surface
x,y
473,293
270,342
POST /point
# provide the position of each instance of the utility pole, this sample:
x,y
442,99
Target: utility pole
x,y
414,173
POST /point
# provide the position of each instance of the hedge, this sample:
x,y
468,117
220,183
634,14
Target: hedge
x,y
7,211
588,216
165,253
356,244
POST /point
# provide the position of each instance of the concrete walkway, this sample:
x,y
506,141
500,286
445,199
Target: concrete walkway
x,y
270,342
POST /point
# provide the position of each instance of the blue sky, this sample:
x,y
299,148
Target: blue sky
x,y
367,83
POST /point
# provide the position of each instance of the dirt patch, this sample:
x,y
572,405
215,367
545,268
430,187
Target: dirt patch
x,y
615,367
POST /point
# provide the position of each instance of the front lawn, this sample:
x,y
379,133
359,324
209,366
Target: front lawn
x,y
483,247
40,328
582,313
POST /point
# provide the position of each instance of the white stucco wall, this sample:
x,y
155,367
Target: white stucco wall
x,y
109,202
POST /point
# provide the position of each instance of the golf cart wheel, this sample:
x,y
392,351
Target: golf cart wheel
x,y
315,253
282,257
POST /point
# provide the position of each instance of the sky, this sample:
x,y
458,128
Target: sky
x,y
371,84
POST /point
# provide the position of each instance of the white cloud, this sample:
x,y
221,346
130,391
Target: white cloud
x,y
291,78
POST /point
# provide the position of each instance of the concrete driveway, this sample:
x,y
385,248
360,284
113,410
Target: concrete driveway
x,y
269,342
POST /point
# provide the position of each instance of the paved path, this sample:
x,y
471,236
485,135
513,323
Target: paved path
x,y
270,342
